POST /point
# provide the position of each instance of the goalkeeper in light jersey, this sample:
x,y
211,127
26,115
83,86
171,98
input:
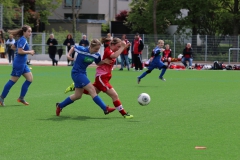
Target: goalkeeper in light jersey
x,y
156,62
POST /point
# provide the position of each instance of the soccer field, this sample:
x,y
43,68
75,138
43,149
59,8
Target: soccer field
x,y
192,108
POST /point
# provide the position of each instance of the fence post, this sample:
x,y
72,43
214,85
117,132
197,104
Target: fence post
x,y
205,48
143,38
30,41
238,50
174,47
43,43
147,52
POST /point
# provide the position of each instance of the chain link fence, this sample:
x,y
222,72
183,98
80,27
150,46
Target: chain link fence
x,y
206,48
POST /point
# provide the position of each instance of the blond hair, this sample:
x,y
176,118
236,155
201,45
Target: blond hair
x,y
159,41
94,43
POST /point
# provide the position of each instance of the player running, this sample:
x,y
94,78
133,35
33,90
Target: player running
x,y
83,58
19,64
156,62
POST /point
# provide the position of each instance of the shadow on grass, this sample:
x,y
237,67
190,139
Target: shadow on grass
x,y
83,118
148,86
79,118
16,105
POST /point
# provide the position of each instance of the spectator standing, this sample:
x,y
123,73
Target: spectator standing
x,y
2,44
69,42
10,51
124,54
84,42
187,56
52,49
137,47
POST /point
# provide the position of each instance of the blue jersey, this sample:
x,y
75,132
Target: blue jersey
x,y
83,58
21,58
156,62
157,55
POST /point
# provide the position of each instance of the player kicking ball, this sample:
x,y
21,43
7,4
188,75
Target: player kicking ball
x,y
156,62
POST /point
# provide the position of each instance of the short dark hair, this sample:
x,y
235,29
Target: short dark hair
x,y
137,34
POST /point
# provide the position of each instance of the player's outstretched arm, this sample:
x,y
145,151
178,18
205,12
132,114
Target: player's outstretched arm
x,y
69,55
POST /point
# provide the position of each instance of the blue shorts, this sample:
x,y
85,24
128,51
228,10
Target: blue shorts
x,y
80,80
19,70
154,65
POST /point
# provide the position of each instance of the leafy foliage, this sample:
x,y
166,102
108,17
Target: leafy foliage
x,y
122,16
35,12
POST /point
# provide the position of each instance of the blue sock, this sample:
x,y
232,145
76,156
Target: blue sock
x,y
99,102
7,88
163,72
66,102
24,89
143,75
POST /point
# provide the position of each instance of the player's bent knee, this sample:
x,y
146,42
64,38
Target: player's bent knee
x,y
164,66
148,71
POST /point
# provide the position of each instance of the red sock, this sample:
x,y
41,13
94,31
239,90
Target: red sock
x,y
119,107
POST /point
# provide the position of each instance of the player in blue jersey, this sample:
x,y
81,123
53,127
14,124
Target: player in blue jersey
x,y
19,64
83,58
156,62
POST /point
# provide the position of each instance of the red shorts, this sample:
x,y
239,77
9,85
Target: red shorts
x,y
102,82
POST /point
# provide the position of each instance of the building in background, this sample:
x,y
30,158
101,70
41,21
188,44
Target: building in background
x,y
92,13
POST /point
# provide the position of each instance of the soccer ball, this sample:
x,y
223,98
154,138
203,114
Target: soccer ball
x,y
144,99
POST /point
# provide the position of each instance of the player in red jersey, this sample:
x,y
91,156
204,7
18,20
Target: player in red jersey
x,y
104,74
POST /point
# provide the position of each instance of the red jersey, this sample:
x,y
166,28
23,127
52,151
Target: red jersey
x,y
167,53
125,51
106,68
136,44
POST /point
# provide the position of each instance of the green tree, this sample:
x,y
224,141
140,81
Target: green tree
x,y
11,13
35,12
142,19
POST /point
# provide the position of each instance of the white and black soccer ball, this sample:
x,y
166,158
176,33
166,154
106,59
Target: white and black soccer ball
x,y
144,99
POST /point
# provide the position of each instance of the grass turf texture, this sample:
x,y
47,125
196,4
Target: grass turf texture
x,y
192,108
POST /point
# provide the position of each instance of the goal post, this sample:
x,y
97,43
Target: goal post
x,y
229,52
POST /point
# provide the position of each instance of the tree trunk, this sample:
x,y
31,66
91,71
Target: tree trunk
x,y
74,18
155,20
235,30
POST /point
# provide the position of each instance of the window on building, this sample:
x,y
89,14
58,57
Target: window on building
x,y
86,16
68,3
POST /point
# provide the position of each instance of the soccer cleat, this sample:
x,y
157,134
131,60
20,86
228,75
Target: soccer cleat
x,y
138,80
58,109
21,100
128,116
163,79
70,88
109,110
2,101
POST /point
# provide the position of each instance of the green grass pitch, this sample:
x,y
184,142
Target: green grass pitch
x,y
192,108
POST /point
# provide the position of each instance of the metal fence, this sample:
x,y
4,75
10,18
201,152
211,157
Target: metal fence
x,y
206,48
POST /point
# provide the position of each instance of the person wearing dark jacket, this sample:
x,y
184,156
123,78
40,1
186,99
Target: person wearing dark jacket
x,y
52,49
84,42
137,47
187,55
69,42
